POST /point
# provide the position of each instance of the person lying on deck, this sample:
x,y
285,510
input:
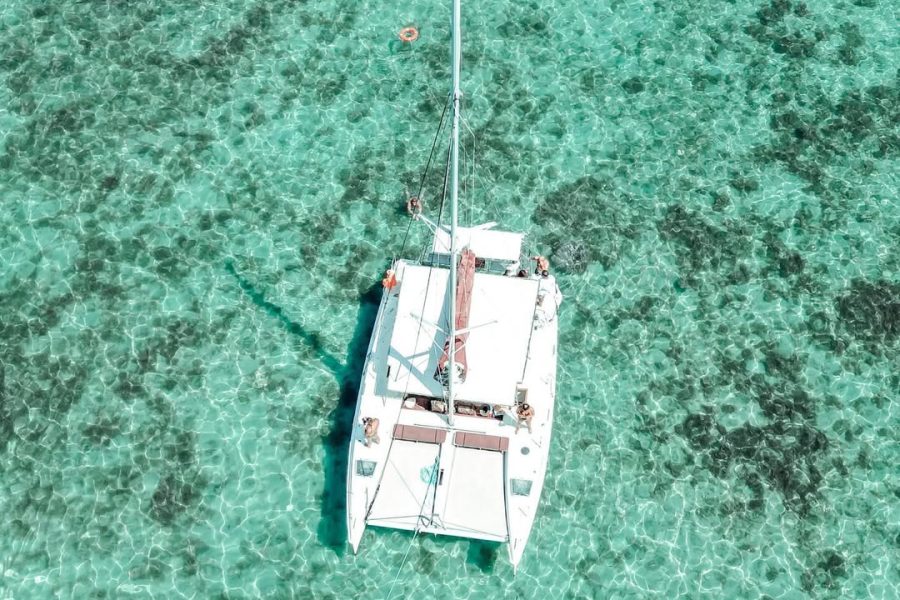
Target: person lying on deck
x,y
371,431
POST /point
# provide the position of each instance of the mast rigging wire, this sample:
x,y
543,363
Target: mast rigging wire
x,y
437,135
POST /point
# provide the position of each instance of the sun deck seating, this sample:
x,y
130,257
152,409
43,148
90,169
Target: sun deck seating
x,y
480,441
414,433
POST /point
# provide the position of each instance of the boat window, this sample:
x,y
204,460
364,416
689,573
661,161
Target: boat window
x,y
488,265
520,487
365,468
437,260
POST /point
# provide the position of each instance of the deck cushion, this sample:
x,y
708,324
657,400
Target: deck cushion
x,y
414,433
480,441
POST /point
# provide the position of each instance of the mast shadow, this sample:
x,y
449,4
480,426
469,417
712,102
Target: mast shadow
x,y
310,337
332,529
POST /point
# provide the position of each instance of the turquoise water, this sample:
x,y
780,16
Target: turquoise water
x,y
199,201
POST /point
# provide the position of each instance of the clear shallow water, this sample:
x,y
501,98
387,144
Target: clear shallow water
x,y
199,201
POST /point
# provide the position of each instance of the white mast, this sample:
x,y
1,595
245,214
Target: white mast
x,y
456,54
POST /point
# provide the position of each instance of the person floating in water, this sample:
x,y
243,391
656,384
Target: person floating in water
x,y
542,265
414,206
370,429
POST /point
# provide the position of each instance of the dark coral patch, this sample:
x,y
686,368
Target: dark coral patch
x,y
700,430
818,131
774,31
702,246
782,454
827,573
744,184
785,262
587,220
871,310
853,41
33,403
785,451
774,12
174,495
633,85
103,430
525,20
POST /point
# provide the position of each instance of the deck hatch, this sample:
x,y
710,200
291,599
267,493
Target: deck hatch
x,y
365,468
520,487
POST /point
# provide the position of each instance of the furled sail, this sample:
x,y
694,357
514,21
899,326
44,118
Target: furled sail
x,y
464,283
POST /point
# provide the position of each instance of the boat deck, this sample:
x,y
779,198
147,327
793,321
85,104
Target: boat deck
x,y
455,482
477,478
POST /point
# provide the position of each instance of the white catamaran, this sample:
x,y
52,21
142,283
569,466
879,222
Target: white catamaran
x,y
455,410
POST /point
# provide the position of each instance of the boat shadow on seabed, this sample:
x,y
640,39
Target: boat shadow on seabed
x,y
332,530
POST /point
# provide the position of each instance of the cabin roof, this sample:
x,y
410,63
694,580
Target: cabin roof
x,y
485,243
500,321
